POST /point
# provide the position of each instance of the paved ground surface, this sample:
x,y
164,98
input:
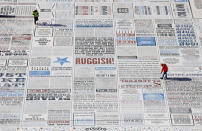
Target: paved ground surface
x,y
94,65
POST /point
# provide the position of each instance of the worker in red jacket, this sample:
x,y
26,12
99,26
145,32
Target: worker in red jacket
x,y
164,71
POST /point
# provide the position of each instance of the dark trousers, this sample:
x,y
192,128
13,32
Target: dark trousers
x,y
164,75
35,19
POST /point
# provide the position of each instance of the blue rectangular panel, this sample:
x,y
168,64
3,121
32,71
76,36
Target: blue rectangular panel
x,y
180,0
153,96
146,41
39,73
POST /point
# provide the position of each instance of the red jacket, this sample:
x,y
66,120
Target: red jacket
x,y
164,68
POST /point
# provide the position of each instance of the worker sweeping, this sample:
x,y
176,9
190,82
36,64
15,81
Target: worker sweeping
x,y
164,70
36,16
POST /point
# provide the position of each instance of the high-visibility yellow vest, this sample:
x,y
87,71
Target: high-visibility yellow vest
x,y
35,13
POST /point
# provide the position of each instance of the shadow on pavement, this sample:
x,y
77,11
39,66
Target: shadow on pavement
x,y
45,24
7,16
179,79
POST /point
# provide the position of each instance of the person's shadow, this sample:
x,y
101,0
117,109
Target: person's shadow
x,y
179,79
47,24
7,16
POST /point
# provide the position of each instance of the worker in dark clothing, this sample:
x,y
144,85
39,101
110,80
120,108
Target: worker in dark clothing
x,y
164,71
36,16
